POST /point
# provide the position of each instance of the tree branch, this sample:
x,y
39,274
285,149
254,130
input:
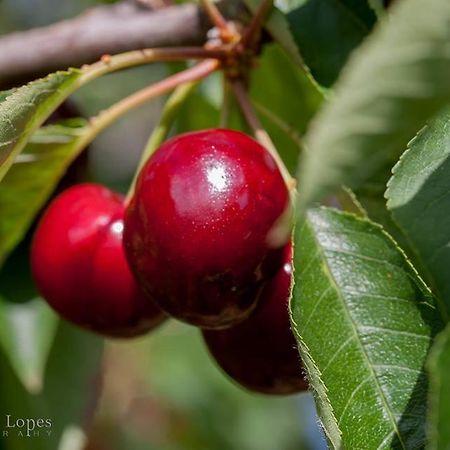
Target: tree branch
x,y
98,31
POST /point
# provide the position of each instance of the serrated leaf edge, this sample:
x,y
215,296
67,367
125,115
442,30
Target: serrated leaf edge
x,y
382,395
387,195
417,277
31,125
333,434
400,163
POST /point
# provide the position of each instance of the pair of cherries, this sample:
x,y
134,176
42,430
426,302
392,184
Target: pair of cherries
x,y
199,241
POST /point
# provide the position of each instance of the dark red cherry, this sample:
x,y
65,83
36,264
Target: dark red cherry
x,y
199,230
260,353
79,265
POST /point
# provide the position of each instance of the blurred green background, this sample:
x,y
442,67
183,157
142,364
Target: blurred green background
x,y
161,392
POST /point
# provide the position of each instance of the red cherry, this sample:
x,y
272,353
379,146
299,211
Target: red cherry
x,y
260,353
198,230
79,265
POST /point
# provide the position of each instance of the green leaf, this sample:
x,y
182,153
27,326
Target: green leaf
x,y
72,377
27,327
371,197
33,177
24,109
377,6
418,197
364,323
327,31
27,324
26,333
439,396
285,99
319,34
278,27
16,401
394,82
206,114
44,362
203,109
4,94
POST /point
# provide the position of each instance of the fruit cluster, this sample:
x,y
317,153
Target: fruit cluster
x,y
201,240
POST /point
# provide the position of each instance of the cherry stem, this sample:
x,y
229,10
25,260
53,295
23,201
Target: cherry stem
x,y
161,131
256,23
225,111
125,60
260,133
197,72
215,16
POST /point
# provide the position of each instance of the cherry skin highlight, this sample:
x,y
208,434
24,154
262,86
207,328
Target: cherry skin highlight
x,y
198,229
80,268
260,353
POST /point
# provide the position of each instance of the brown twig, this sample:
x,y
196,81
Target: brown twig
x,y
215,15
145,56
101,30
153,4
257,23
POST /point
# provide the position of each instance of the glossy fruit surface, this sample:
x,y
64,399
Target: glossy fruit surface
x,y
260,353
198,230
79,265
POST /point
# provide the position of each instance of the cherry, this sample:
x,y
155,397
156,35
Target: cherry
x,y
79,265
198,229
260,353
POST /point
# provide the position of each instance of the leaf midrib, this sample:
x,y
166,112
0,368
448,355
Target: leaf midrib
x,y
355,332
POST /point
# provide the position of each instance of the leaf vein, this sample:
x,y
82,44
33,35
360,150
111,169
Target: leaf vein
x,y
352,396
370,328
337,352
322,296
364,353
